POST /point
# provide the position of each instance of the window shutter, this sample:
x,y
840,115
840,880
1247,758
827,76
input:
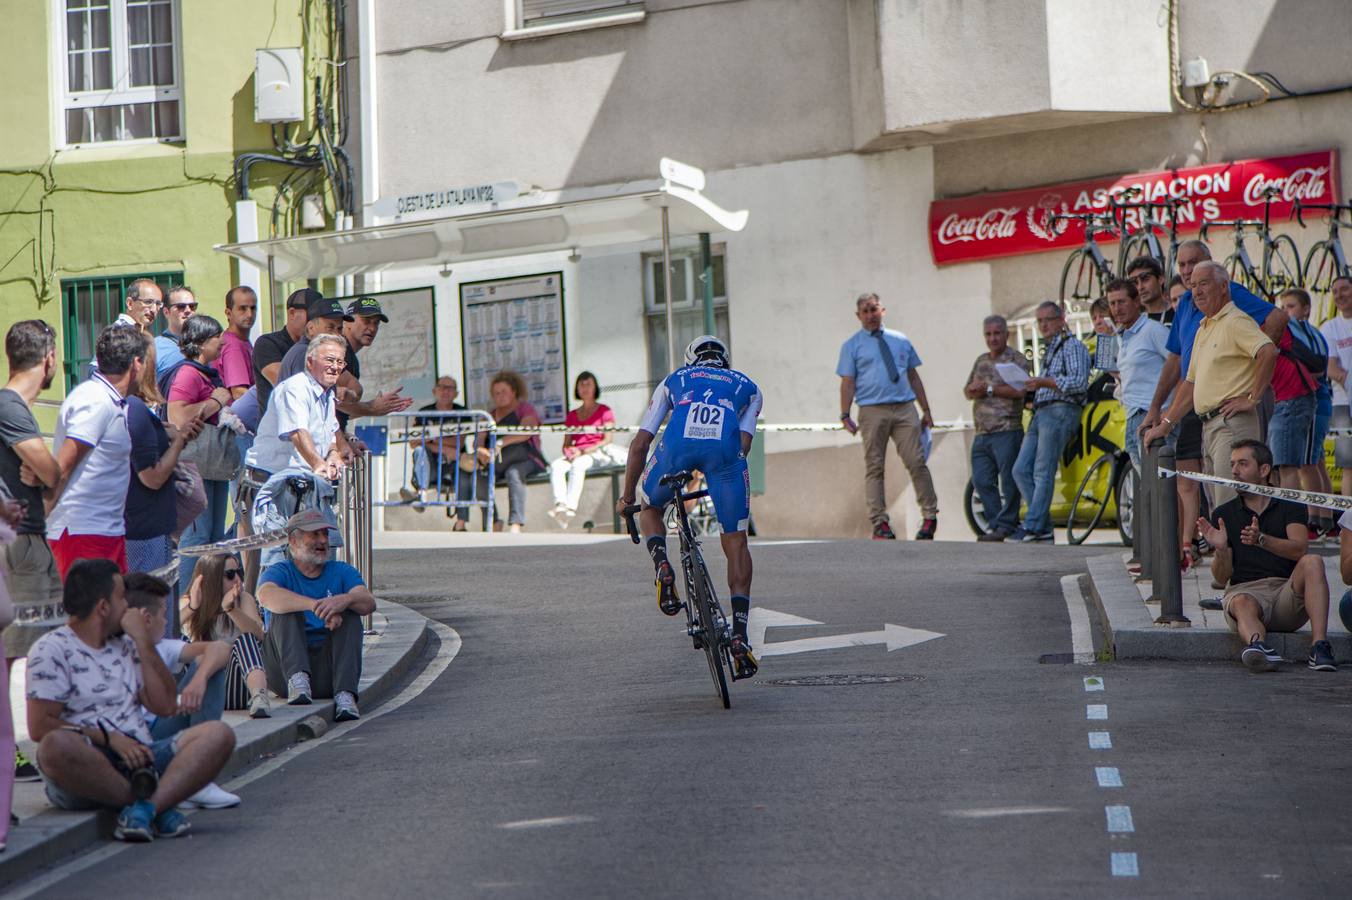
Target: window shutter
x,y
535,10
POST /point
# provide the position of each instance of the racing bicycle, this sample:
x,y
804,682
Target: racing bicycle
x,y
1281,261
1087,271
1111,479
708,628
1326,260
1142,240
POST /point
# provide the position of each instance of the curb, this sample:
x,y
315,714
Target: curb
x,y
50,837
1131,633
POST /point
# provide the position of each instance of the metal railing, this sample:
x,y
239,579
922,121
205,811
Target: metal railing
x,y
447,441
354,518
1160,555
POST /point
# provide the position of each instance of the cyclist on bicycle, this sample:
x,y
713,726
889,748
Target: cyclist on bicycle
x,y
713,411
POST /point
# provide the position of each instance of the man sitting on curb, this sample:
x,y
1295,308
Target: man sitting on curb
x,y
312,609
87,683
198,669
1260,548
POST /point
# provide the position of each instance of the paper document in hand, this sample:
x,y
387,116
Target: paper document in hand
x,y
1012,374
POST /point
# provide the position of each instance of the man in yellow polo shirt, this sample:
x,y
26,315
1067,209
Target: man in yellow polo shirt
x,y
1231,366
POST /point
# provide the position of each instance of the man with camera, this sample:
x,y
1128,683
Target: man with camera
x,y
87,683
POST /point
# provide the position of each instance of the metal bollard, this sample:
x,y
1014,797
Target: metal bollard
x,y
1136,542
1144,523
1169,577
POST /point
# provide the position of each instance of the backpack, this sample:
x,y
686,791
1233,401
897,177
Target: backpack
x,y
1314,362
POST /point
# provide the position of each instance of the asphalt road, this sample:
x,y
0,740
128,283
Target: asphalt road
x,y
574,749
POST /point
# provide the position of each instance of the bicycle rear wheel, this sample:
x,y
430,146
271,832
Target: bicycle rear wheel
x,y
1321,267
1080,278
1135,247
1282,269
712,627
1126,503
1096,489
1239,274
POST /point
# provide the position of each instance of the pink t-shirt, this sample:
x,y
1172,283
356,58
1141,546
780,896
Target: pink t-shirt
x,y
588,442
235,362
191,386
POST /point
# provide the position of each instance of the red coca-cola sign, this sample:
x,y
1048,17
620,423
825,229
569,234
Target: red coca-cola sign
x,y
986,226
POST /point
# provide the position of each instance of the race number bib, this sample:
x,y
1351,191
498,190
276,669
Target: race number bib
x,y
704,422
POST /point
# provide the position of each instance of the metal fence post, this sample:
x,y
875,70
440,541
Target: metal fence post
x,y
1144,516
1170,583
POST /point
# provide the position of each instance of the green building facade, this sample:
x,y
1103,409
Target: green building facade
x,y
122,123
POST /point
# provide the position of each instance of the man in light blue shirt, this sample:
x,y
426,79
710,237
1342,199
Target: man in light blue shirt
x,y
877,369
1140,359
178,309
300,427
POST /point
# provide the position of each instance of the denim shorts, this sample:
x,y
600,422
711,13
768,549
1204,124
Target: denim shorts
x,y
164,752
1289,431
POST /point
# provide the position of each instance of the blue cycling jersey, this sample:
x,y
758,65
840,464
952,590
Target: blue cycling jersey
x,y
710,408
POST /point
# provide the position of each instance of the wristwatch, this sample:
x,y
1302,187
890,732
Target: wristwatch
x,y
1261,535
990,390
844,417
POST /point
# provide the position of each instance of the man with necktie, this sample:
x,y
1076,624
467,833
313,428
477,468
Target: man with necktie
x,y
877,370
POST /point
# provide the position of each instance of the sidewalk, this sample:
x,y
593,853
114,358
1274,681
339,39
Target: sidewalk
x,y
1130,632
46,836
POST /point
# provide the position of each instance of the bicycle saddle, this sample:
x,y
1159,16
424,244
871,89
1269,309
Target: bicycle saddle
x,y
677,478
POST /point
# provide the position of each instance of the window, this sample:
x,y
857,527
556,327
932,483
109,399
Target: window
x,y
688,307
121,72
533,18
89,305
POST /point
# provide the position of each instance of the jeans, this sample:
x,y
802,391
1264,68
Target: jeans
x,y
1035,469
1289,430
515,475
993,458
208,528
431,469
1133,441
213,705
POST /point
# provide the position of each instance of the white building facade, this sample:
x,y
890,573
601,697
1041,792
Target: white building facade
x,y
836,124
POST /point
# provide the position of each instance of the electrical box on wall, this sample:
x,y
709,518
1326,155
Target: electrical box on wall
x,y
279,85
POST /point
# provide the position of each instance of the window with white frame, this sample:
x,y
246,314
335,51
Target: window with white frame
x,y
687,310
549,14
120,67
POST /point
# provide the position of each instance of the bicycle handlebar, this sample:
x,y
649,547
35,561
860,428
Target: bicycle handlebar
x,y
1299,206
630,524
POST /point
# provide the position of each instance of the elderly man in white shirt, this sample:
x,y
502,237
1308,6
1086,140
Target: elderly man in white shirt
x,y
299,434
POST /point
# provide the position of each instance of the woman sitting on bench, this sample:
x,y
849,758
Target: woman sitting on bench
x,y
582,451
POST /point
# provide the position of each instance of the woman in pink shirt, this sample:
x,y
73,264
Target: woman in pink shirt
x,y
195,392
582,451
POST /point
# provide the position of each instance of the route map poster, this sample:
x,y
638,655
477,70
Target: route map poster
x,y
516,323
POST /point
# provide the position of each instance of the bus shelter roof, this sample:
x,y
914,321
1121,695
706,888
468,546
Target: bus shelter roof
x,y
544,225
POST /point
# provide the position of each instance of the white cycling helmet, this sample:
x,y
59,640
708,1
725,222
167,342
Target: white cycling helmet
x,y
707,350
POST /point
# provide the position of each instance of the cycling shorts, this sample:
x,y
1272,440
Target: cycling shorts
x,y
728,481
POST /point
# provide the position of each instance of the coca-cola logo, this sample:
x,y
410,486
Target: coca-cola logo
x,y
991,225
1307,183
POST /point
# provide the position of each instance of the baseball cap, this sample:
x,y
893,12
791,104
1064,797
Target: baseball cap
x,y
302,298
367,306
307,520
324,308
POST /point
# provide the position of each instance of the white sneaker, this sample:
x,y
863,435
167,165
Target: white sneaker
x,y
298,691
556,510
570,512
345,707
213,796
260,707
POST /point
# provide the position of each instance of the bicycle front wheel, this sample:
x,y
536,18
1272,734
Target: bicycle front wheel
x,y
1126,503
1282,269
1079,278
1321,267
1239,273
1090,500
715,647
1134,249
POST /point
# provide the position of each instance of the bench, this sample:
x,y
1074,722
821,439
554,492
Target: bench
x,y
613,471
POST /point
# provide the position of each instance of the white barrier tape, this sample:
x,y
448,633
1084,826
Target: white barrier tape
x,y
773,428
1308,498
273,538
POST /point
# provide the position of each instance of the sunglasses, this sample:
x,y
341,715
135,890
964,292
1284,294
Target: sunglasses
x,y
188,306
232,574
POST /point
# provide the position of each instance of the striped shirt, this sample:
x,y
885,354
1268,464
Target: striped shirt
x,y
1066,361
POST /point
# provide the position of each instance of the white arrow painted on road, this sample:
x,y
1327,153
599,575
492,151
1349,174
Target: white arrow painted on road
x,y
894,636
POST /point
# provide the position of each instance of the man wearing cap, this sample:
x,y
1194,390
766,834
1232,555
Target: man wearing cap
x,y
270,348
312,609
323,316
364,316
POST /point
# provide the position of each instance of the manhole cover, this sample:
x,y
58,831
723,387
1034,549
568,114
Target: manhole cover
x,y
837,680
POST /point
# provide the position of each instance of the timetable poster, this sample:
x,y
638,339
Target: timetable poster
x,y
517,324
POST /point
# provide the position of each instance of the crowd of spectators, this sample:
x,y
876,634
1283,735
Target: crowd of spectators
x,y
131,659
1240,387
